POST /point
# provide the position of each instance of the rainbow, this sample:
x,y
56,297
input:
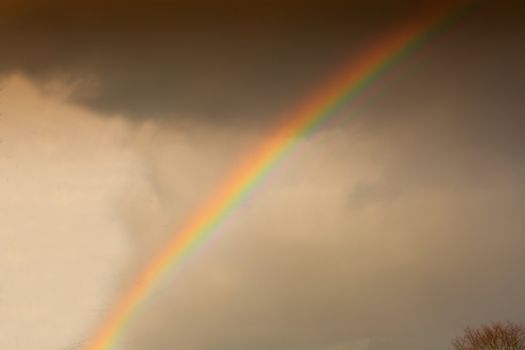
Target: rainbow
x,y
347,86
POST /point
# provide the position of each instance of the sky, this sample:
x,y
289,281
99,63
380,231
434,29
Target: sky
x,y
395,227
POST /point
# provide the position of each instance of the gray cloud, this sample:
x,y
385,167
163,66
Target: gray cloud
x,y
209,61
151,60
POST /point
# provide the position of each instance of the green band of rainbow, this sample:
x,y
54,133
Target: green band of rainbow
x,y
352,81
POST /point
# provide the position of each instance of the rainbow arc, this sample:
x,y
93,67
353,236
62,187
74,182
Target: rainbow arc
x,y
350,83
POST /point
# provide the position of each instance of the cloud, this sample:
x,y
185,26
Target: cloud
x,y
61,171
223,62
302,266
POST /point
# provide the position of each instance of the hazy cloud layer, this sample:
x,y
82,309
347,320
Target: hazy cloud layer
x,y
357,240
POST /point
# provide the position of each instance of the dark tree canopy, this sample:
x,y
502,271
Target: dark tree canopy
x,y
497,336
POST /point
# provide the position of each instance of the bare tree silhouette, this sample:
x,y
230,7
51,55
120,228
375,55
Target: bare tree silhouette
x,y
497,336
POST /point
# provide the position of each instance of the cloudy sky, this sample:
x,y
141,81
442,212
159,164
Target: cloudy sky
x,y
394,228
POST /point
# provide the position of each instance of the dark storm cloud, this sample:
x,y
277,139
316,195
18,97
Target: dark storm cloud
x,y
216,59
158,59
